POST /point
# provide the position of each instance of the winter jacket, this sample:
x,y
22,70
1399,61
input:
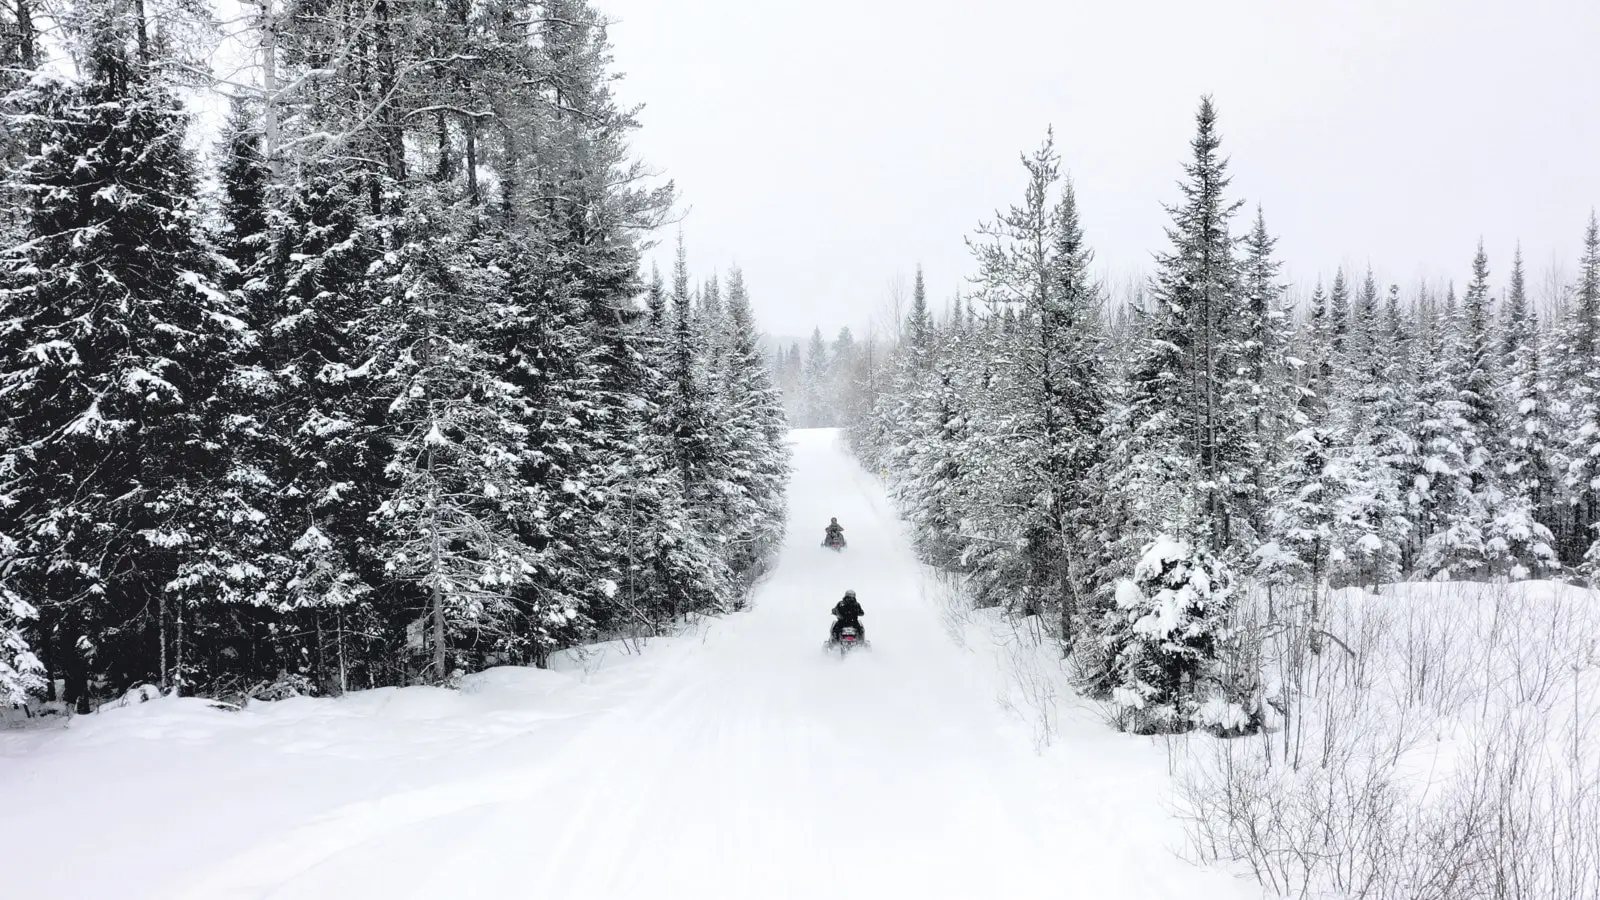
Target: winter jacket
x,y
848,610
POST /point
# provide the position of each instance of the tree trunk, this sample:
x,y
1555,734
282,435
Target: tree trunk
x,y
26,49
165,678
472,162
390,127
344,667
142,33
75,669
177,650
322,654
269,83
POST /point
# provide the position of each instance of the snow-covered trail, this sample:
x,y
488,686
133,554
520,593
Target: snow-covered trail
x,y
748,764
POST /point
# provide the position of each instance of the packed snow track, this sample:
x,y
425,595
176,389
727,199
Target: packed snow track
x,y
740,762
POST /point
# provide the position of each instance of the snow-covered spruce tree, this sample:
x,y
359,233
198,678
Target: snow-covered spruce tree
x,y
791,381
322,449
899,410
1181,437
19,58
245,182
844,362
817,403
1190,343
1339,318
1481,530
1176,605
455,519
759,433
937,491
710,332
665,448
666,562
1304,483
686,410
333,140
1581,371
723,426
919,326
539,346
706,455
1033,260
656,299
1525,397
1367,511
240,638
1263,386
117,344
1434,408
1361,492
19,667
1394,415
20,670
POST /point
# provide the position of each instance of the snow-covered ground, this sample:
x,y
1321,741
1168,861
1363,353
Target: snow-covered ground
x,y
736,760
1446,745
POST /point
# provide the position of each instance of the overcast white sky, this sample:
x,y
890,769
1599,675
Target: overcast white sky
x,y
824,145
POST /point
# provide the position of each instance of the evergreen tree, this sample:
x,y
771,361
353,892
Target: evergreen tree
x,y
711,330
936,486
19,668
1189,348
843,362
19,59
1525,398
1581,370
1319,366
756,420
455,517
1368,513
919,326
1306,486
1034,259
1167,630
657,302
244,176
817,404
1262,386
117,346
1339,319
320,446
1482,529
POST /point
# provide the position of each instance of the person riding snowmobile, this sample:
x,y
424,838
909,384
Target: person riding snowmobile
x,y
848,612
834,533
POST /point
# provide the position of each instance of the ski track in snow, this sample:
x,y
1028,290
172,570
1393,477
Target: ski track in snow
x,y
739,762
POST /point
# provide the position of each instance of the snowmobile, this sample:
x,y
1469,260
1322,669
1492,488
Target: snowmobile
x,y
850,638
834,541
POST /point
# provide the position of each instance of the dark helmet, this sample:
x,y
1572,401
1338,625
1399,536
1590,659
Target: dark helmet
x,y
833,521
850,594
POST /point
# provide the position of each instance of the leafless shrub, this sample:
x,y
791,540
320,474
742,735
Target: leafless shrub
x,y
1437,745
949,595
1031,678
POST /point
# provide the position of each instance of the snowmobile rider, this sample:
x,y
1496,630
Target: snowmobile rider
x,y
847,612
834,532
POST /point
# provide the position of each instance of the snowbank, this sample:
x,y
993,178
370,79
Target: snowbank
x,y
155,791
